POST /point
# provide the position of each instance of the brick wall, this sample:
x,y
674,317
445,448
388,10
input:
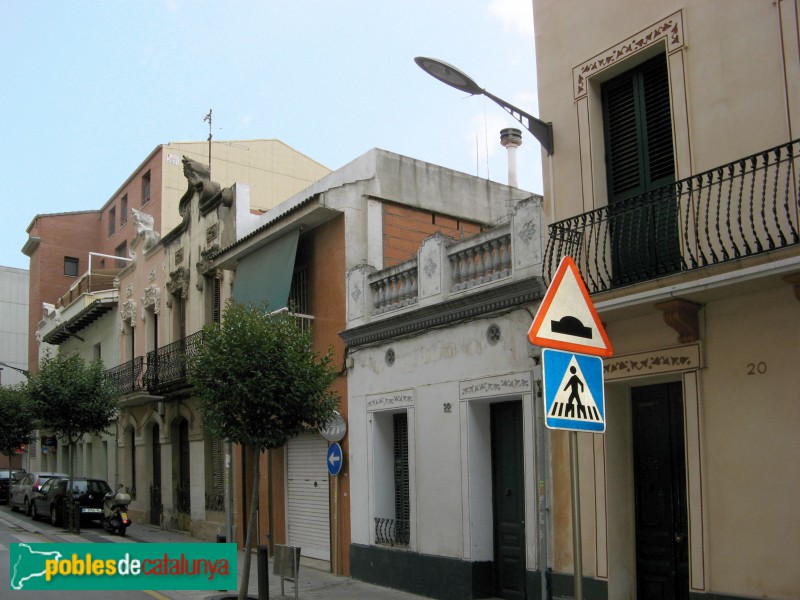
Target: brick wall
x,y
66,234
404,229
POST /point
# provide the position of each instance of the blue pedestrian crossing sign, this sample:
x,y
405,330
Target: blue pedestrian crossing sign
x,y
334,459
573,391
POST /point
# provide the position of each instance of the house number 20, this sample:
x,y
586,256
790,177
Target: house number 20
x,y
758,368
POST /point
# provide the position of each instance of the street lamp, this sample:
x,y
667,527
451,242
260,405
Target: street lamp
x,y
23,371
461,81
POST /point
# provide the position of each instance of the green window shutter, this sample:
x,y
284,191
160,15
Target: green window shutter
x,y
638,130
637,121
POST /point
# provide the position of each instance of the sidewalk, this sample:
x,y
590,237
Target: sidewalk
x,y
313,583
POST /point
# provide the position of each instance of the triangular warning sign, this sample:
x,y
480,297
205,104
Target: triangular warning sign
x,y
567,319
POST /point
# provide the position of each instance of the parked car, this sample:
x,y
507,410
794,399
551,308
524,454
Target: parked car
x,y
22,491
7,477
89,493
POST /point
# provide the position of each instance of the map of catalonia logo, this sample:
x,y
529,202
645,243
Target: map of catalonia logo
x,y
190,566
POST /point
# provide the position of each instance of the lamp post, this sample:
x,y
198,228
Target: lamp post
x,y
7,366
543,132
461,81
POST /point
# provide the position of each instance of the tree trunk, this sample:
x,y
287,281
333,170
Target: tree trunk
x,y
70,511
251,527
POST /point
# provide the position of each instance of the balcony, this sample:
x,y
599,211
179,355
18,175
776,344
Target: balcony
x,y
129,376
167,366
164,370
745,208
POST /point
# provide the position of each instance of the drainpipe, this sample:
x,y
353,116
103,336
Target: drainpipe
x,y
542,475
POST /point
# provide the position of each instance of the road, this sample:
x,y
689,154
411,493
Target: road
x,y
17,528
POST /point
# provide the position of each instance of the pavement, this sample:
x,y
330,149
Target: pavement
x,y
313,582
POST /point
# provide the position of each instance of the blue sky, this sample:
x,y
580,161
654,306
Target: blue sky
x,y
90,88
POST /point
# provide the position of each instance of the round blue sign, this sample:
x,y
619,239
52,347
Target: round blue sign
x,y
335,459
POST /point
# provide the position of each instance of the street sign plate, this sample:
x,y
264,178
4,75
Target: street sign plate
x,y
334,459
574,398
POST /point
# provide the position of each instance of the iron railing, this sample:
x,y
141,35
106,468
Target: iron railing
x,y
129,376
167,366
741,209
392,532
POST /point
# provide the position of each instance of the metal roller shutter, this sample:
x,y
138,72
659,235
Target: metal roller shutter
x,y
307,486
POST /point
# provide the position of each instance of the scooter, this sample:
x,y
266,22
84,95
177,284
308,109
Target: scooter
x,y
115,515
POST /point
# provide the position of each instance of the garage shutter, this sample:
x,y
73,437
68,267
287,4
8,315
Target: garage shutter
x,y
307,485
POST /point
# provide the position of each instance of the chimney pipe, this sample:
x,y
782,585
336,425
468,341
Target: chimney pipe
x,y
511,139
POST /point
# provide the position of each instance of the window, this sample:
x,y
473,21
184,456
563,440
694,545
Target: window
x,y
70,266
391,478
640,162
122,250
145,188
96,352
123,210
112,217
638,130
213,299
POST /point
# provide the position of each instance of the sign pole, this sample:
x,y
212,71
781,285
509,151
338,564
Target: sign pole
x,y
577,550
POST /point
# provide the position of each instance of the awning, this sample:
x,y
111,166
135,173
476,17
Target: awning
x,y
265,276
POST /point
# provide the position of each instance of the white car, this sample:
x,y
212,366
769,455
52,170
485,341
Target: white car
x,y
22,491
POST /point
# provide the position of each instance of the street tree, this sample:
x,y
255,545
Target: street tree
x,y
259,383
72,398
17,424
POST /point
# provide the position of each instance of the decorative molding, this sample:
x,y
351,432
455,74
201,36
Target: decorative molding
x,y
127,313
681,315
669,29
152,297
151,274
794,281
500,385
178,284
129,290
390,400
212,232
144,224
178,256
677,359
204,264
415,322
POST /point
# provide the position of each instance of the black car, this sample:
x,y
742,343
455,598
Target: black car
x,y
7,478
88,493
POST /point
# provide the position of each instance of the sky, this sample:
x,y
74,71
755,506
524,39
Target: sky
x,y
90,88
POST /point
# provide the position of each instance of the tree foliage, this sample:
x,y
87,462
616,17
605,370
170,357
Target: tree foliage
x,y
16,420
258,384
72,397
258,381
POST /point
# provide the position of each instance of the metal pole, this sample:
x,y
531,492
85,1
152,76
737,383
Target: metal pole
x,y
577,551
336,524
542,480
263,572
228,492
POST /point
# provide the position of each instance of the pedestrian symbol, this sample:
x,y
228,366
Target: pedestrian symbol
x,y
573,391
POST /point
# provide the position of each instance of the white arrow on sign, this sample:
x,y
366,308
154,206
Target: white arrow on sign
x,y
333,459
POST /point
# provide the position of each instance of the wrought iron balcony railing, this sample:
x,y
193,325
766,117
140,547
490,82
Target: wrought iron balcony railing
x,y
129,376
741,209
166,367
394,532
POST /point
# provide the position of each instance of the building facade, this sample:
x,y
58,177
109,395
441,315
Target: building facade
x,y
675,189
443,406
108,285
58,244
372,213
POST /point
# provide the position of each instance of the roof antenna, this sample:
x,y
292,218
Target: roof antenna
x,y
208,118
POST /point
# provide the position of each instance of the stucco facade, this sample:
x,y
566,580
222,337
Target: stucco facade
x,y
720,327
373,212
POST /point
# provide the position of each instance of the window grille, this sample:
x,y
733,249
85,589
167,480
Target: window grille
x,y
402,510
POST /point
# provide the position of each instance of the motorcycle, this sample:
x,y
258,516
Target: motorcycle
x,y
115,515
